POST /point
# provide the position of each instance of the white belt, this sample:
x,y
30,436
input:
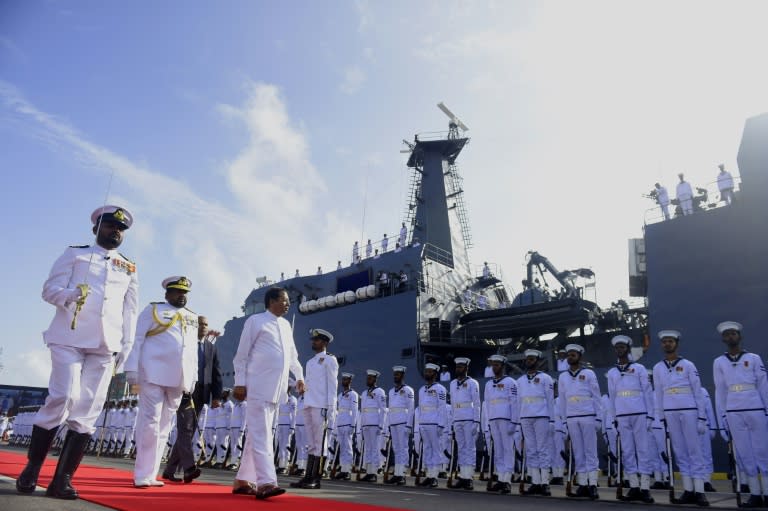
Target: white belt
x,y
678,390
498,401
628,393
462,405
532,399
576,399
741,387
342,409
427,408
398,410
370,410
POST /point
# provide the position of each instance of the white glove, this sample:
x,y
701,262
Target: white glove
x,y
120,359
132,377
725,433
475,429
649,424
701,427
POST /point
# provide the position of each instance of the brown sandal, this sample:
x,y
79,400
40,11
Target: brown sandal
x,y
266,491
244,490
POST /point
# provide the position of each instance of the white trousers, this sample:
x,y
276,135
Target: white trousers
x,y
537,438
687,206
399,435
77,388
257,464
558,447
467,446
432,447
684,435
314,426
157,405
503,448
346,454
636,445
583,431
371,454
750,439
209,436
283,443
222,443
301,443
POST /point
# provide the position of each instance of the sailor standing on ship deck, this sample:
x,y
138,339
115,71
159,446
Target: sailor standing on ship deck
x,y
679,403
685,195
465,401
741,403
725,184
373,412
400,418
535,392
631,404
346,425
662,197
403,235
581,407
368,249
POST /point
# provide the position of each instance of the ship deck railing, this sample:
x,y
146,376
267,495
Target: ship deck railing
x,y
714,201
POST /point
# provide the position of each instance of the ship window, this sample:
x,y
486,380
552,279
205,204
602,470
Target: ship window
x,y
407,353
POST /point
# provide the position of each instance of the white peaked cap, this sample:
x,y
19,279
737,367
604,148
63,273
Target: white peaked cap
x,y
574,347
373,372
532,353
461,360
729,325
621,339
114,214
670,333
432,366
398,369
322,334
347,375
497,358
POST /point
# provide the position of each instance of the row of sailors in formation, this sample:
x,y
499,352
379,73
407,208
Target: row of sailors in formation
x,y
538,417
684,192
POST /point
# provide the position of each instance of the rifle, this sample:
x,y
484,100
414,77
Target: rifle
x,y
421,457
453,466
619,475
387,453
523,467
668,444
321,469
358,477
336,457
571,475
489,486
736,476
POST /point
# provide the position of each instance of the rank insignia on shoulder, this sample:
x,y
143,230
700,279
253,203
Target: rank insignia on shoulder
x,y
126,258
679,369
79,246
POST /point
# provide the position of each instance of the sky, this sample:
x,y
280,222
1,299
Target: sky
x,y
250,138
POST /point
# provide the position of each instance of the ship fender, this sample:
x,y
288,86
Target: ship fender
x,y
330,301
362,293
350,297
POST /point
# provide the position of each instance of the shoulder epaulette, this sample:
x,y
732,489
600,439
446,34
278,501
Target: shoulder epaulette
x,y
330,354
79,246
190,310
127,259
155,303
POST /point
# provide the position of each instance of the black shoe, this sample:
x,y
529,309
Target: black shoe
x,y
467,484
432,482
494,486
556,481
38,450
701,500
687,497
308,473
593,495
171,477
632,495
442,475
60,486
218,465
658,485
370,478
581,491
505,489
397,480
191,474
300,472
745,488
754,501
545,490
280,471
533,489
708,487
645,496
342,476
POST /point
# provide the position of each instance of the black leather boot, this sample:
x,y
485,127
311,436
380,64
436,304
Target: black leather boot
x,y
315,475
38,450
71,456
701,500
307,473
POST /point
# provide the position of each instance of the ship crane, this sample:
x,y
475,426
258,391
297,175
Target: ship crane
x,y
566,278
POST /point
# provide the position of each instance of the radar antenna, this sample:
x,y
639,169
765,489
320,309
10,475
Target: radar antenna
x,y
454,124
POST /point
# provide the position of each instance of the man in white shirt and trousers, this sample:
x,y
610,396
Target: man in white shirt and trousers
x,y
163,362
685,195
725,184
662,197
319,406
264,358
95,292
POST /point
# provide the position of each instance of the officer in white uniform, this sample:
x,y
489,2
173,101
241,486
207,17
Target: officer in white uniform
x,y
319,405
384,243
725,184
432,417
373,411
236,432
581,406
286,425
403,234
502,414
535,393
662,197
368,249
465,401
400,418
679,402
346,425
741,404
355,253
222,428
685,195
95,292
631,404
163,362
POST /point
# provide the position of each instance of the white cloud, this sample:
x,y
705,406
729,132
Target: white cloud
x,y
31,368
354,77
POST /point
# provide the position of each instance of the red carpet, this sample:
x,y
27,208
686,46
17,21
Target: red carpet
x,y
114,488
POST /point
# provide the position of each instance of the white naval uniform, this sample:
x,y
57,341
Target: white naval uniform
x,y
433,418
465,401
662,196
368,249
403,235
685,197
400,418
198,443
373,412
558,444
502,416
81,359
346,425
679,402
166,363
265,356
286,425
630,402
130,429
222,431
300,435
741,402
209,434
725,185
384,244
535,393
582,407
237,429
708,435
322,384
